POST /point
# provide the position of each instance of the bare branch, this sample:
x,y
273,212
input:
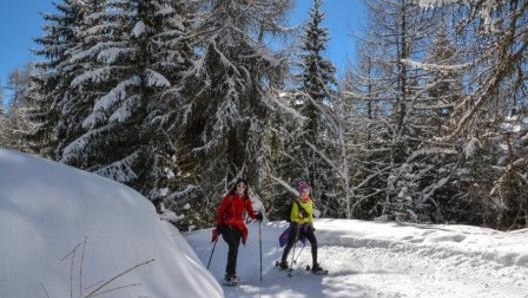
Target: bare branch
x,y
94,292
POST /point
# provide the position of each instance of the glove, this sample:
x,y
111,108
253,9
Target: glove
x,y
303,214
219,229
214,236
259,216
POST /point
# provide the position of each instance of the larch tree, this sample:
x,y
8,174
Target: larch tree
x,y
364,95
495,112
437,163
394,179
488,122
16,124
3,122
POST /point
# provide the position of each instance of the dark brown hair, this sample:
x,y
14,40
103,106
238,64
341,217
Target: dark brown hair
x,y
234,187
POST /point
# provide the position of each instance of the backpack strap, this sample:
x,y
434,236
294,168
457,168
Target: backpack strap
x,y
295,201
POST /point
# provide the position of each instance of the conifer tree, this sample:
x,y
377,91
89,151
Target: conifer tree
x,y
53,75
318,98
75,101
134,58
227,120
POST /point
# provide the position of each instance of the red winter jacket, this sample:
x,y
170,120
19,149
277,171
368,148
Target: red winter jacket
x,y
231,213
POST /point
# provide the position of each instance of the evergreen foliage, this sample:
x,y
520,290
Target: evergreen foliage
x,y
179,98
227,120
314,147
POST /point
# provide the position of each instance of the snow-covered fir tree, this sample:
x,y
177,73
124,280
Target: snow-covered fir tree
x,y
227,120
316,100
131,55
179,98
74,102
55,73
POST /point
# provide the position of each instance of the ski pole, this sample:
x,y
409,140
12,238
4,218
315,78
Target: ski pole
x,y
295,259
297,228
260,248
291,262
212,252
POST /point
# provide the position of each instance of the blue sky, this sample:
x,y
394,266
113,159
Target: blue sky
x,y
344,18
20,22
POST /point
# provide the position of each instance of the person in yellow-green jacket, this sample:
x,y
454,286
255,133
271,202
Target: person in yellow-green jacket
x,y
301,225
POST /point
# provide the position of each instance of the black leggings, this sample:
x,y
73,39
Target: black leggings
x,y
296,232
232,237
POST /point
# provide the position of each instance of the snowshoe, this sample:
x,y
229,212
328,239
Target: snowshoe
x,y
231,280
317,270
282,265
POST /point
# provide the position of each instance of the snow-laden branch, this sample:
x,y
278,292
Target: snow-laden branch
x,y
431,151
285,185
96,76
126,109
139,29
121,170
436,3
182,193
117,94
103,105
519,163
92,51
93,120
110,55
286,108
156,79
326,159
432,66
483,8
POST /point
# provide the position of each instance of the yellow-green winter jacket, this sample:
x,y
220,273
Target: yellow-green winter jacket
x,y
297,215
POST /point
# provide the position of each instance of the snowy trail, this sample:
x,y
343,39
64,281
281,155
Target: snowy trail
x,y
384,272
441,262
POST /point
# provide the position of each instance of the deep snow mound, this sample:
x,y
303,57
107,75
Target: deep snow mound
x,y
65,233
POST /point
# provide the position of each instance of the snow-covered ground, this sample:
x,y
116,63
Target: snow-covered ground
x,y
48,210
376,260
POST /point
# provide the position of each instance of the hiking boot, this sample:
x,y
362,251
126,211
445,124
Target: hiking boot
x,y
231,278
283,265
317,269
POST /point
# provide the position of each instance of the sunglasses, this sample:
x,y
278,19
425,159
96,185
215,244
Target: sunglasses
x,y
241,186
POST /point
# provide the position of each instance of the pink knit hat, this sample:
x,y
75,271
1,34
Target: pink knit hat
x,y
301,186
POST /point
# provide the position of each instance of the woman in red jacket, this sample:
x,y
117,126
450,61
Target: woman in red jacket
x,y
230,223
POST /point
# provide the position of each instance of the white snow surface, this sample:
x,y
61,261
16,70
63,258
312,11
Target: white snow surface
x,y
47,209
378,260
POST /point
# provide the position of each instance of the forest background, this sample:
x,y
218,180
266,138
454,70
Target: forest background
x,y
178,99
